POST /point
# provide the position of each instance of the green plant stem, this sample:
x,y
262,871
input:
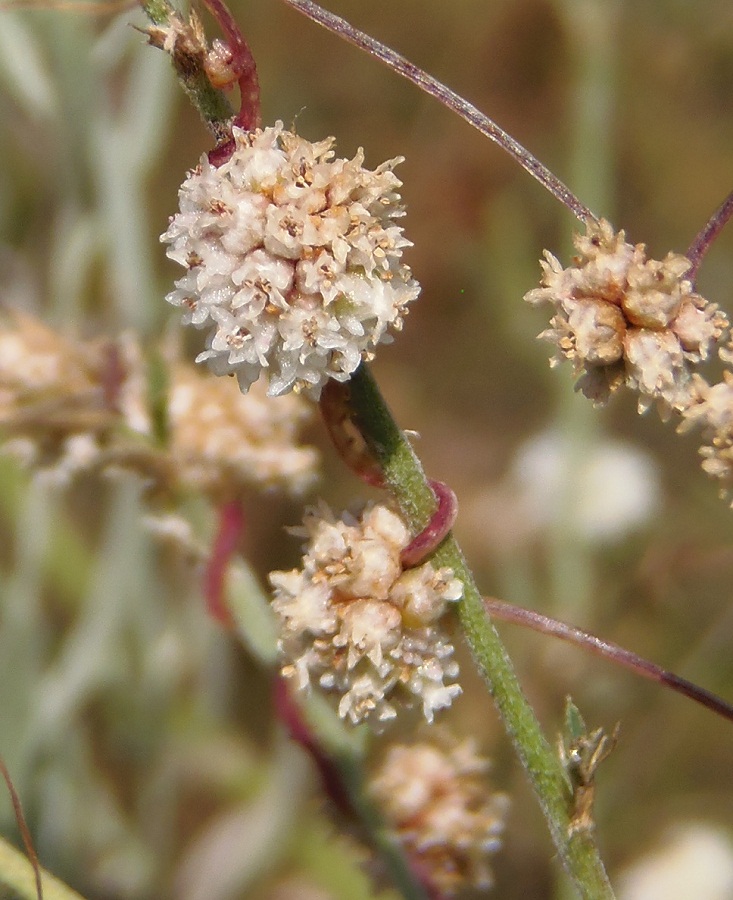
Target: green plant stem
x,y
405,477
212,105
407,482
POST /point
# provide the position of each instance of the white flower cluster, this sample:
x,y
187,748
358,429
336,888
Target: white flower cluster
x,y
626,319
443,811
220,439
58,404
356,624
293,257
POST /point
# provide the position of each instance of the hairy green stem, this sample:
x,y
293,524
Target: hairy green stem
x,y
407,482
212,105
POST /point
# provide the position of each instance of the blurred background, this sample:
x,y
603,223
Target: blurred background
x,y
139,736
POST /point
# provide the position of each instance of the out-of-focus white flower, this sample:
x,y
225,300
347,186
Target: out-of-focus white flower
x,y
219,438
608,489
601,491
695,861
68,407
625,319
56,409
443,811
293,260
356,624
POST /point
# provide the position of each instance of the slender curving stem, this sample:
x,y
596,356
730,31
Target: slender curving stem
x,y
449,98
707,235
529,618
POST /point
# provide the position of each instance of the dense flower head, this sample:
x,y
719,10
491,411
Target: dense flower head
x,y
443,811
625,319
293,259
61,399
359,626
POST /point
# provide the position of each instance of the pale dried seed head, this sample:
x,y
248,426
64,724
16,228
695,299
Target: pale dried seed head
x,y
443,811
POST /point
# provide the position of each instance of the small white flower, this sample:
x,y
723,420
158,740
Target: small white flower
x,y
293,260
356,624
218,438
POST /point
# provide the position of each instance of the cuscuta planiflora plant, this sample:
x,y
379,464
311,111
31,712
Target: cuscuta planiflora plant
x,y
293,260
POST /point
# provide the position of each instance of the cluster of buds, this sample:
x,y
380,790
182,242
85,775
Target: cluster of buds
x,y
711,411
624,319
356,623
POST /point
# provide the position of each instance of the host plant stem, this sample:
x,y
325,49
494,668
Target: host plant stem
x,y
408,484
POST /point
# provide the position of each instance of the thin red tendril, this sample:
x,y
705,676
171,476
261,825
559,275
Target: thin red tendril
x,y
244,72
507,612
231,528
288,711
335,405
443,519
23,828
467,111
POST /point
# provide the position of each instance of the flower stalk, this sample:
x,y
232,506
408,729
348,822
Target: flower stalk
x,y
411,489
708,233
341,773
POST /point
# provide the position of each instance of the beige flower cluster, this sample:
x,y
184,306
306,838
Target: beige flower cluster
x,y
60,400
357,625
712,412
293,260
71,406
625,319
220,437
443,811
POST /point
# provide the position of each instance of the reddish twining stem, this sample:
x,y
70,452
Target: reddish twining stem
x,y
288,712
23,828
353,449
335,778
443,519
507,612
449,98
707,235
113,375
338,417
240,65
231,528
